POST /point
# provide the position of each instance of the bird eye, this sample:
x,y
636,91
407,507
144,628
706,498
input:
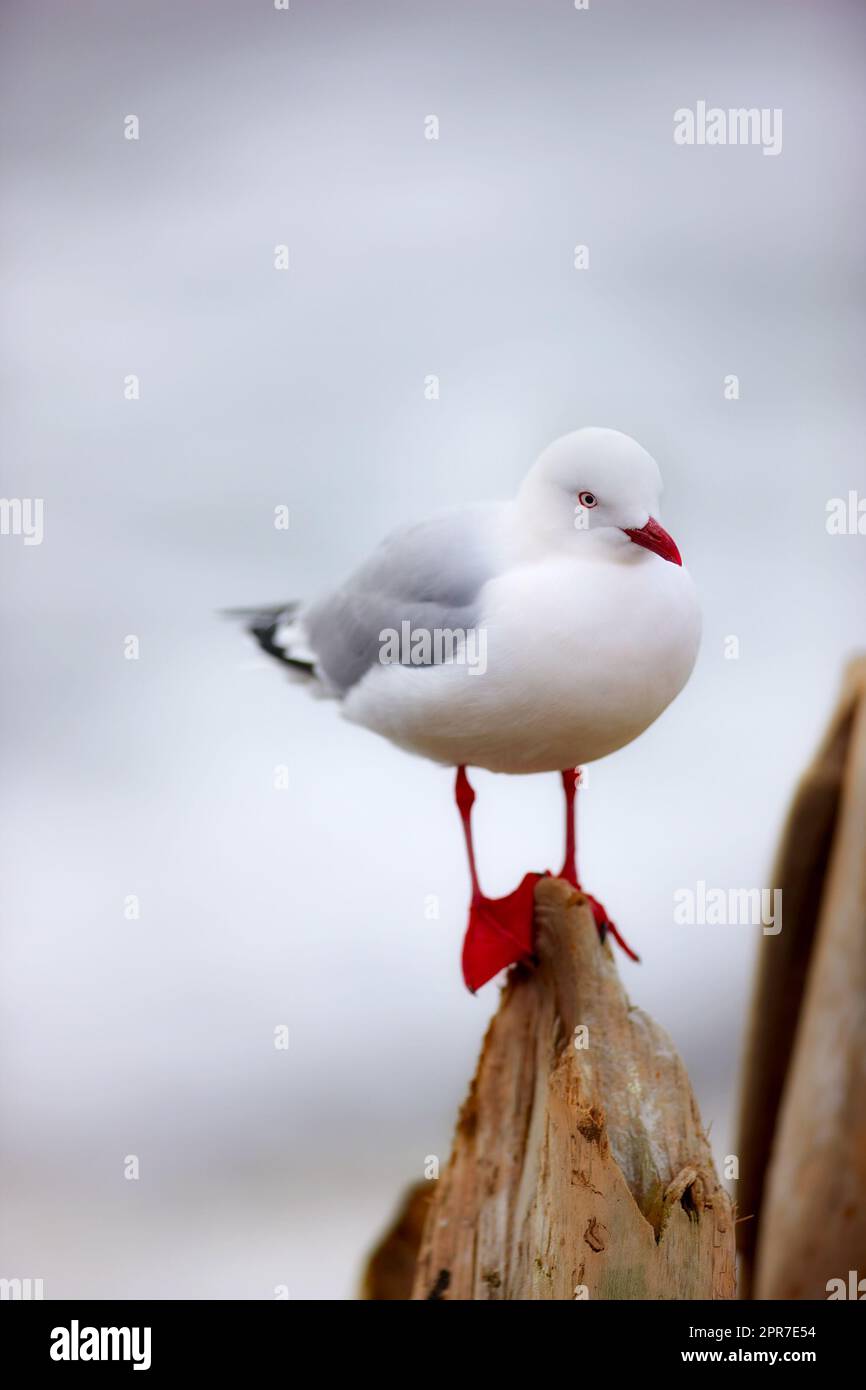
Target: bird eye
x,y
587,499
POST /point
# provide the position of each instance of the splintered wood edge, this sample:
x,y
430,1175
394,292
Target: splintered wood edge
x,y
577,975
583,977
567,943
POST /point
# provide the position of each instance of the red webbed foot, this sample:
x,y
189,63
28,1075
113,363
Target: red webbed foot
x,y
499,934
605,925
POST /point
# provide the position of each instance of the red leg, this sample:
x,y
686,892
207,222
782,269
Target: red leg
x,y
500,930
569,869
465,798
570,782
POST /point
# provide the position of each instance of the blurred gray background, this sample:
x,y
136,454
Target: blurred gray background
x,y
306,906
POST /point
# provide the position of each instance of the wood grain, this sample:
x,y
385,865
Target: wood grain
x,y
811,1222
577,1171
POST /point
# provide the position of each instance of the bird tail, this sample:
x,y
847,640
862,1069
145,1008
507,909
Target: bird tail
x,y
280,633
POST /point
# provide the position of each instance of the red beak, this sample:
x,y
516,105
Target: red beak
x,y
655,538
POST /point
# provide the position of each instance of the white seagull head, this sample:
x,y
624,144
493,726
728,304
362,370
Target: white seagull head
x,y
596,483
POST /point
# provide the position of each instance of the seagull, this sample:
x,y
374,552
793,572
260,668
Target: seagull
x,y
532,635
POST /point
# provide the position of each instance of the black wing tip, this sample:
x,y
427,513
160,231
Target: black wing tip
x,y
264,635
262,623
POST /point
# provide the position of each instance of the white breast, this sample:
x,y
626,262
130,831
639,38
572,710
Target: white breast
x,y
581,656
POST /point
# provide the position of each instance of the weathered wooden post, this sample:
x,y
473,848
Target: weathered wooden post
x,y
580,1168
803,1120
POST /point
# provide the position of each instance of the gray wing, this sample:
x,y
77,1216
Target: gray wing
x,y
428,574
